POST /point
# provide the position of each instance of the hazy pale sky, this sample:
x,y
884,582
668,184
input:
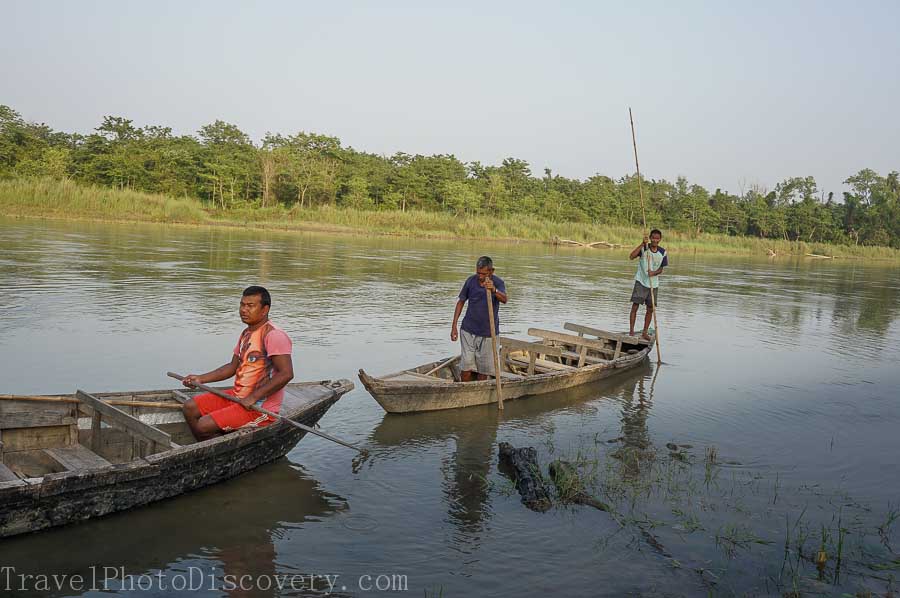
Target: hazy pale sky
x,y
727,93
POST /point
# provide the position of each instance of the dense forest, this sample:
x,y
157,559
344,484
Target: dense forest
x,y
224,168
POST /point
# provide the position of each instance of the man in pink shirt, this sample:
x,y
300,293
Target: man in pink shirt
x,y
261,366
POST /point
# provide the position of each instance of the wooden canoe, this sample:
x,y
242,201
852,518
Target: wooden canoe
x,y
70,458
555,361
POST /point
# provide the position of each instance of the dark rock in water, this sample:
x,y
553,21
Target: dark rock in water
x,y
671,446
522,466
570,487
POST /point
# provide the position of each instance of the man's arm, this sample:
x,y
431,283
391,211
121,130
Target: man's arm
x,y
637,250
217,375
454,333
500,295
284,373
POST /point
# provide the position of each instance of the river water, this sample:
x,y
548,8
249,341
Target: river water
x,y
779,387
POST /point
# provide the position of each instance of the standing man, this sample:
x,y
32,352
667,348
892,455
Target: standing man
x,y
477,357
261,366
643,280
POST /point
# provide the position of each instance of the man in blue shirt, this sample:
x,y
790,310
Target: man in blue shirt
x,y
644,281
477,357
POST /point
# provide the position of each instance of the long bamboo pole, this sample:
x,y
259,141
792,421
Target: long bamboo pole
x,y
490,306
644,217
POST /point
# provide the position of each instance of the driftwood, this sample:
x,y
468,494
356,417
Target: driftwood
x,y
771,253
522,466
607,244
821,257
570,488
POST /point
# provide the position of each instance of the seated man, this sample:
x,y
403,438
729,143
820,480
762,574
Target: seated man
x,y
261,366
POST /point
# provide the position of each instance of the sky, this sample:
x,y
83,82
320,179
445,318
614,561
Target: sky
x,y
727,94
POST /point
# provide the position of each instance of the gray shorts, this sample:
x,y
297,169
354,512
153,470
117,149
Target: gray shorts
x,y
641,295
477,354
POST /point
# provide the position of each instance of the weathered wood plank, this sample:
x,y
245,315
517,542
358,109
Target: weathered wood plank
x,y
578,341
442,365
417,377
6,474
96,429
24,439
512,343
588,359
542,365
115,416
613,336
511,376
33,419
76,457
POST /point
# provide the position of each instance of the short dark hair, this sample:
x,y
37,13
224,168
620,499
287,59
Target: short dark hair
x,y
484,262
266,298
656,231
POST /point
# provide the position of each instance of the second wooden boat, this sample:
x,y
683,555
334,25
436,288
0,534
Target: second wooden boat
x,y
559,360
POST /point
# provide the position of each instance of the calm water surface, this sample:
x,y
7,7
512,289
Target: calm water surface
x,y
782,376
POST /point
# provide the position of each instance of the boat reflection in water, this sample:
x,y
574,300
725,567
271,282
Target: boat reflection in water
x,y
475,430
229,529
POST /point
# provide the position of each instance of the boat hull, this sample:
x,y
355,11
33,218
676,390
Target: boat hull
x,y
403,397
71,496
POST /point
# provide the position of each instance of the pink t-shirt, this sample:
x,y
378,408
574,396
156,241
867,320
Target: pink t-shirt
x,y
254,349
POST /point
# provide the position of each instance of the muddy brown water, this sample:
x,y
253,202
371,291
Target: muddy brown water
x,y
782,377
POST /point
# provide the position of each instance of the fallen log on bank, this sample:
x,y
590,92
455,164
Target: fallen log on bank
x,y
607,244
521,464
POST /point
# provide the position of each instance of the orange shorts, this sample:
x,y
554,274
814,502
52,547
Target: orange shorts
x,y
230,416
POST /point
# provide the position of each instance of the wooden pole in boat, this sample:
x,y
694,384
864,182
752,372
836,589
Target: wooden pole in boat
x,y
644,217
271,414
490,306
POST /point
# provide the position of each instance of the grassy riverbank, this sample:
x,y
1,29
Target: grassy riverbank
x,y
47,198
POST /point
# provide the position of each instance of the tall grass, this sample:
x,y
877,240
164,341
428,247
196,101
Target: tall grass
x,y
48,198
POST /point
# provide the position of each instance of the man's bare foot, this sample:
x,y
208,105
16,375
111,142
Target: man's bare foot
x,y
631,333
645,336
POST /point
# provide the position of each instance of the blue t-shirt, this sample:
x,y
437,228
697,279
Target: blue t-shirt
x,y
476,319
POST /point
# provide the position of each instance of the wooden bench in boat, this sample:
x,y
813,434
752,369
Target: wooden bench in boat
x,y
583,344
541,366
620,339
121,419
76,457
532,349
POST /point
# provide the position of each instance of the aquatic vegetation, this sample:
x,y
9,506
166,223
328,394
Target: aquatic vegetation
x,y
723,528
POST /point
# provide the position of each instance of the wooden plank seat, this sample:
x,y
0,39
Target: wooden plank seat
x,y
571,339
531,349
117,417
7,474
589,359
542,366
76,457
613,336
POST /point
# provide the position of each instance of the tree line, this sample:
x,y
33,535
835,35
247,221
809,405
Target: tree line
x,y
224,168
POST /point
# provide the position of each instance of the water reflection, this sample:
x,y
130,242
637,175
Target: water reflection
x,y
474,432
230,529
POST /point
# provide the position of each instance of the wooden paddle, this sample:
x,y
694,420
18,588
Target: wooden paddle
x,y
490,306
271,414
